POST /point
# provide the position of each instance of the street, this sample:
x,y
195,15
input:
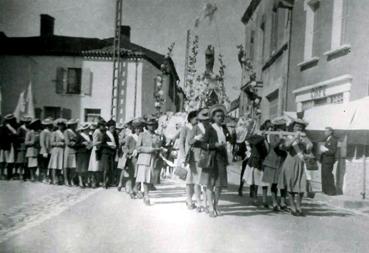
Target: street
x,y
62,219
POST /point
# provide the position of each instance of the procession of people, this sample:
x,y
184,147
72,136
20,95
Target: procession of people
x,y
133,156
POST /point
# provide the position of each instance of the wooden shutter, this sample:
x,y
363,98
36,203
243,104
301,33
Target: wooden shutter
x,y
60,80
66,113
86,81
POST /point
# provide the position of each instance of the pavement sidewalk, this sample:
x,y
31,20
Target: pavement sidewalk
x,y
354,204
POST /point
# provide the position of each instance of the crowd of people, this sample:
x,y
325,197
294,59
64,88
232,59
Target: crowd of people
x,y
134,156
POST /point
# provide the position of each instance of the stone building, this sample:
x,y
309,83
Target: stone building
x,y
72,77
267,34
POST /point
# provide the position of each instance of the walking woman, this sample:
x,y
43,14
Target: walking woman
x,y
148,149
109,144
272,166
186,155
57,150
83,147
21,161
70,153
130,157
293,177
94,166
213,159
254,169
32,142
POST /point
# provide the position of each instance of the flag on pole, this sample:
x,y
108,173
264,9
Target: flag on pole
x,y
21,106
29,102
25,106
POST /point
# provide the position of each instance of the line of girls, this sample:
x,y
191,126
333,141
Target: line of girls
x,y
276,161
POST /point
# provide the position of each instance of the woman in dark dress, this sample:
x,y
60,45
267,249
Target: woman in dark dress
x,y
293,177
83,147
272,166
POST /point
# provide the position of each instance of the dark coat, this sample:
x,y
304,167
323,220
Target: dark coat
x,y
329,157
258,151
7,138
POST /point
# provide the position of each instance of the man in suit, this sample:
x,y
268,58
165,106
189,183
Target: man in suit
x,y
328,158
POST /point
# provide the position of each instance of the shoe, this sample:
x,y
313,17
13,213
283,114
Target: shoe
x,y
218,212
132,196
212,214
119,188
199,209
300,213
266,206
139,195
147,202
190,206
294,213
275,209
206,209
284,208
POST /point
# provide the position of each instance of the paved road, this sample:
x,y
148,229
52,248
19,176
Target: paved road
x,y
44,218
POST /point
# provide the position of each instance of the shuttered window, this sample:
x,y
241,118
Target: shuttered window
x,y
74,81
60,80
87,82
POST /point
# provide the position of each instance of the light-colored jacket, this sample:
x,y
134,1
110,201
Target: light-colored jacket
x,y
45,141
70,140
57,139
146,147
31,141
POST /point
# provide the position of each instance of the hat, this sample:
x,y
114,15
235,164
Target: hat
x,y
36,123
47,122
150,120
329,129
203,114
111,123
217,107
93,126
72,122
9,116
120,126
139,122
26,119
83,127
60,121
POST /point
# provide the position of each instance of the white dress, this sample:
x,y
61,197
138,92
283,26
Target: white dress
x,y
94,164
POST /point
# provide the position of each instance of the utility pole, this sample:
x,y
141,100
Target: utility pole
x,y
186,58
117,60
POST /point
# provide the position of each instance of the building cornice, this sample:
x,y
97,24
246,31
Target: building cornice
x,y
333,81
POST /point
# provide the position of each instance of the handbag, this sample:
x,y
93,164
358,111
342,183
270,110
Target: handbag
x,y
207,159
311,163
180,172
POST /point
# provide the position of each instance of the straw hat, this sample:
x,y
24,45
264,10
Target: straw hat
x,y
83,127
72,122
26,119
47,122
60,121
203,114
217,107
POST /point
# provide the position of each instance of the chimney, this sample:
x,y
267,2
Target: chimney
x,y
47,25
125,32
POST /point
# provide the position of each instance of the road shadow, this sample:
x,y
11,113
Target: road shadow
x,y
231,204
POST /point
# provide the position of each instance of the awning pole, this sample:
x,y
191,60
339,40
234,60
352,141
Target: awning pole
x,y
364,173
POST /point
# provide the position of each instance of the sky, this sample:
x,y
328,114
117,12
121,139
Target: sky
x,y
155,24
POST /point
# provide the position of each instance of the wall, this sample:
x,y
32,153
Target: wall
x,y
101,88
16,72
274,76
354,63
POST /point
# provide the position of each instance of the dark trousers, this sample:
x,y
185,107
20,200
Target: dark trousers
x,y
328,185
107,161
43,165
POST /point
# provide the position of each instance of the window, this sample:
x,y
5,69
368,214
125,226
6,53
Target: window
x,y
74,81
262,28
274,37
312,28
252,41
92,115
52,112
273,100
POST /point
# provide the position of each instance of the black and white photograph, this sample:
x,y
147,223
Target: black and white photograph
x,y
184,126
